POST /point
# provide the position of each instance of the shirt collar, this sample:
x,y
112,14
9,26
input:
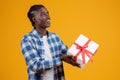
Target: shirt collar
x,y
38,34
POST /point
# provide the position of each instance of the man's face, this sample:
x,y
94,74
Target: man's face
x,y
42,18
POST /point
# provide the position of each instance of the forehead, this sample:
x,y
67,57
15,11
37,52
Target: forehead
x,y
41,10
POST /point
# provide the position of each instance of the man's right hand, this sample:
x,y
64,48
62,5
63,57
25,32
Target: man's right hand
x,y
69,59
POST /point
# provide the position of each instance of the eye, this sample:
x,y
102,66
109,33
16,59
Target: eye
x,y
44,13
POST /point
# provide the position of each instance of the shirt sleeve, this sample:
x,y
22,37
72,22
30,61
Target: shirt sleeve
x,y
34,62
64,47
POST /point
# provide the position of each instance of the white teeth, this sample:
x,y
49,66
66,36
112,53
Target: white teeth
x,y
48,20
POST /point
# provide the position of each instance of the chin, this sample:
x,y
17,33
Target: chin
x,y
47,26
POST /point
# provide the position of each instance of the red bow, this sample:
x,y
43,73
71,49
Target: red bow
x,y
83,51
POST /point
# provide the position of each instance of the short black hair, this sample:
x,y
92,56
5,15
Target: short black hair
x,y
30,12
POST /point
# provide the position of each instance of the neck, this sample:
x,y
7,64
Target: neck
x,y
42,31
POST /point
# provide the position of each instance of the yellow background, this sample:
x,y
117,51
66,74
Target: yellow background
x,y
97,19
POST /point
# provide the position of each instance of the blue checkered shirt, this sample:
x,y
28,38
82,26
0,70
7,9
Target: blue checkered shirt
x,y
32,49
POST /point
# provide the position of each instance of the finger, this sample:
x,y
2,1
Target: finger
x,y
70,56
79,66
74,63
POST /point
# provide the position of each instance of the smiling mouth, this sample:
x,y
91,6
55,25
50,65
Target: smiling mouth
x,y
48,20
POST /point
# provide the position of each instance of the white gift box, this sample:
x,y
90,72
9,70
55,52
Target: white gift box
x,y
82,50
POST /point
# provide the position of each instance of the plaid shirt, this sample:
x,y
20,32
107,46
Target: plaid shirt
x,y
32,49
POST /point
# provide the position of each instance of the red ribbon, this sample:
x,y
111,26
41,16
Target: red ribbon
x,y
83,51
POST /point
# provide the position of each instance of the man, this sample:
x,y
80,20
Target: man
x,y
43,50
